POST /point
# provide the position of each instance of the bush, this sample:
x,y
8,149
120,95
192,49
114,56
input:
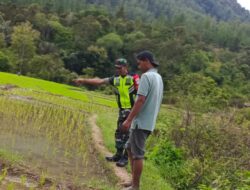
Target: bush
x,y
221,148
171,163
237,101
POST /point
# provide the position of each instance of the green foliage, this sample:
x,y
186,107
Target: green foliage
x,y
172,165
198,92
218,144
62,36
197,61
88,29
41,22
97,58
134,36
2,40
23,44
4,62
49,67
111,41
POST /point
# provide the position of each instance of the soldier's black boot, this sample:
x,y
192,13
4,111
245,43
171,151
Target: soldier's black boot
x,y
114,158
122,162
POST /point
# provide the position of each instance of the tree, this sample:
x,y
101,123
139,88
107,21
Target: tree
x,y
97,58
197,92
2,40
197,61
4,62
112,42
41,23
87,30
63,36
49,67
5,29
23,44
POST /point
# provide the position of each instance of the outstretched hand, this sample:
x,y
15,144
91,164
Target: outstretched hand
x,y
78,81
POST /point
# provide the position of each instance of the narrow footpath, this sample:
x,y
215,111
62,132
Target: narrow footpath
x,y
121,173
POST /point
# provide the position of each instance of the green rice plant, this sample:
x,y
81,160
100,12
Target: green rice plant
x,y
42,179
3,175
23,180
11,186
60,126
10,157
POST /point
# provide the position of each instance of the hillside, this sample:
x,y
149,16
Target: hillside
x,y
148,9
219,9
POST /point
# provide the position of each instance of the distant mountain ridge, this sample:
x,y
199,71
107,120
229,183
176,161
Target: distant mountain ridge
x,y
225,10
219,9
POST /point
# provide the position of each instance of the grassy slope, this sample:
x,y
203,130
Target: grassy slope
x,y
151,178
54,88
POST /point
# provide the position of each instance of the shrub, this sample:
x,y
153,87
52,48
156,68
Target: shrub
x,y
171,163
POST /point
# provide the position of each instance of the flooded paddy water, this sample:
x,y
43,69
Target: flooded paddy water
x,y
50,161
54,143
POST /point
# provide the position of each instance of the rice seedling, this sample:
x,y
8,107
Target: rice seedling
x,y
23,179
50,130
3,175
11,186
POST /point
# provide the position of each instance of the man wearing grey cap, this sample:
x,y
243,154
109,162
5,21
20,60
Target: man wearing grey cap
x,y
142,118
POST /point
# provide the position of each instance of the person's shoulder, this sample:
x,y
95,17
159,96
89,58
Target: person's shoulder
x,y
111,79
152,72
151,75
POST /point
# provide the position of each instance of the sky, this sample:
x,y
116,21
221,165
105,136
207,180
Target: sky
x,y
245,4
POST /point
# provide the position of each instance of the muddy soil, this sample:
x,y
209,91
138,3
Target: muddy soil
x,y
47,161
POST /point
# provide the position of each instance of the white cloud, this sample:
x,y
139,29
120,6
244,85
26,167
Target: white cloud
x,y
245,4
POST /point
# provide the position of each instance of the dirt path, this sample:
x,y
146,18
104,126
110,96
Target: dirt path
x,y
121,173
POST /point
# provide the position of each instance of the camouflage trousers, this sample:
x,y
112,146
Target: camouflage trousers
x,y
121,137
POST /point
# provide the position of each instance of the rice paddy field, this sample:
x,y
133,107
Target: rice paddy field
x,y
45,141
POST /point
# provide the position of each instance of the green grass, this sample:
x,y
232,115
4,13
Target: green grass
x,y
107,123
54,88
151,178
